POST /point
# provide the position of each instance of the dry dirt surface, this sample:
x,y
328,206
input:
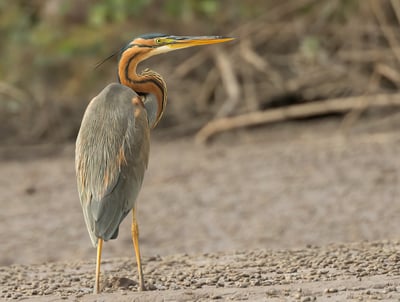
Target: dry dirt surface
x,y
369,271
294,211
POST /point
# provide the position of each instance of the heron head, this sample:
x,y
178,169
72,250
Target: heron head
x,y
161,43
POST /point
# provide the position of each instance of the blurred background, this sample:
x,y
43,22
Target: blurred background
x,y
325,172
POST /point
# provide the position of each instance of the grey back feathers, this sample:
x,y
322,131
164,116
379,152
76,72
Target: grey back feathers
x,y
151,105
112,152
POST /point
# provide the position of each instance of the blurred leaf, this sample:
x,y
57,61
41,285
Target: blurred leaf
x,y
310,47
208,7
98,14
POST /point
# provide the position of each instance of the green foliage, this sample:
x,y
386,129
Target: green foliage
x,y
115,11
186,9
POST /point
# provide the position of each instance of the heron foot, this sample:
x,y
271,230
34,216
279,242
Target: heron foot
x,y
142,288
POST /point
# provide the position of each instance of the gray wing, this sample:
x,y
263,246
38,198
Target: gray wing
x,y
111,156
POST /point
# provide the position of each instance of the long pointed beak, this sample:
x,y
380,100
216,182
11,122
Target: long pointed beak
x,y
177,42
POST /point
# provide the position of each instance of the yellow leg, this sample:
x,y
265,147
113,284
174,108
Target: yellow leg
x,y
98,261
135,239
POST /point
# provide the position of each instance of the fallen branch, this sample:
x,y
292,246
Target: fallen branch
x,y
296,111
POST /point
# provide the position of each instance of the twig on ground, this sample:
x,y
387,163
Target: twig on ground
x,y
296,111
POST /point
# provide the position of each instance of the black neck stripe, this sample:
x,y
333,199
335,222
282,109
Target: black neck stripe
x,y
146,80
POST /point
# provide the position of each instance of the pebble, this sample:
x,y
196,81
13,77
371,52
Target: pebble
x,y
297,295
216,297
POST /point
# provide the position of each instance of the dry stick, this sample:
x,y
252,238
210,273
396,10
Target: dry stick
x,y
276,13
388,32
390,36
381,70
206,90
296,111
389,73
251,56
269,24
259,63
247,74
229,81
396,8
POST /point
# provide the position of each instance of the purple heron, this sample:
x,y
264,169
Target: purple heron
x,y
112,147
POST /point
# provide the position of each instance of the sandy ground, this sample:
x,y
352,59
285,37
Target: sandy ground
x,y
292,198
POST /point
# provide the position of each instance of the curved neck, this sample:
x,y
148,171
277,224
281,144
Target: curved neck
x,y
149,83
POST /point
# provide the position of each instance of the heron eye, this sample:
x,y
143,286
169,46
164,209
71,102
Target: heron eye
x,y
158,41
